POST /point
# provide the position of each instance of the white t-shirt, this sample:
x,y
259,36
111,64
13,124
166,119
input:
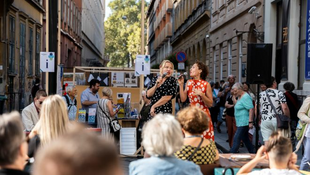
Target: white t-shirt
x,y
275,172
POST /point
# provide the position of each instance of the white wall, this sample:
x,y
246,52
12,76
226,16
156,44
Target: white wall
x,y
92,22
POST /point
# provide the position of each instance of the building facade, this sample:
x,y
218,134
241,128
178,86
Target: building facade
x,y
93,33
21,38
71,34
191,25
287,30
160,30
234,24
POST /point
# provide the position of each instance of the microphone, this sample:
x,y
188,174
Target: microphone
x,y
164,75
182,75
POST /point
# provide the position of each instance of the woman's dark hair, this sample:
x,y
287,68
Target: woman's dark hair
x,y
269,84
288,86
217,85
204,69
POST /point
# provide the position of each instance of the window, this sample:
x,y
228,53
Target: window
x,y
65,11
222,62
22,47
240,57
229,58
30,60
71,12
68,19
12,45
38,49
214,63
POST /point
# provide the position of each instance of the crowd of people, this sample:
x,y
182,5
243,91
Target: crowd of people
x,y
179,144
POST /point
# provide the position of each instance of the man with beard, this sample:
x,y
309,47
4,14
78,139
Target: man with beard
x,y
90,97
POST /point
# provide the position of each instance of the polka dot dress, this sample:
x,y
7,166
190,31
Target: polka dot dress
x,y
166,89
197,101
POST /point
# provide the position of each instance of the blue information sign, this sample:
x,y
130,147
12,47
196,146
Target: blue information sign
x,y
307,67
181,57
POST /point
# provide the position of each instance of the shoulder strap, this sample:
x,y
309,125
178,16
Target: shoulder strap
x,y
292,99
191,156
67,100
271,103
103,111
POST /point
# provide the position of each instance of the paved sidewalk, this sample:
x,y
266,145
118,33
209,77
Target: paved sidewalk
x,y
223,146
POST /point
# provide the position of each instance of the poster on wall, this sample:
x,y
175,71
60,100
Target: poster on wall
x,y
131,80
123,103
117,79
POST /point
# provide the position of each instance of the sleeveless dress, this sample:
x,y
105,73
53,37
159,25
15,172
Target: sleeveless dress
x,y
102,121
197,101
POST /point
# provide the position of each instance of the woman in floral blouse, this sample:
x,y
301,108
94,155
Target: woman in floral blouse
x,y
199,92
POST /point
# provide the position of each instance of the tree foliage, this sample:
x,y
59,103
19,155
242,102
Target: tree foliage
x,y
123,32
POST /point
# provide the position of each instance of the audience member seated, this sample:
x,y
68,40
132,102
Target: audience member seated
x,y
162,137
78,153
53,122
13,147
197,149
31,113
278,151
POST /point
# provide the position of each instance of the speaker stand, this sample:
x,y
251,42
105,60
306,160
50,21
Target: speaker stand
x,y
257,119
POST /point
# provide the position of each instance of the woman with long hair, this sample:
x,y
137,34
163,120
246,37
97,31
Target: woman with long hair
x,y
54,121
199,92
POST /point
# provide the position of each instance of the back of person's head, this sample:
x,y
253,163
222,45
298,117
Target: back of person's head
x,y
193,120
93,82
162,136
279,148
288,86
11,137
54,118
80,152
270,84
106,91
40,93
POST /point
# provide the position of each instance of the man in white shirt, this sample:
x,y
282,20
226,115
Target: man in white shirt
x,y
31,114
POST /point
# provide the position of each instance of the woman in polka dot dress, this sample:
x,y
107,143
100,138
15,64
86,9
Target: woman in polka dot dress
x,y
199,92
162,90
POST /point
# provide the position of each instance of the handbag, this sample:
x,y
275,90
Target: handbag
x,y
283,121
114,124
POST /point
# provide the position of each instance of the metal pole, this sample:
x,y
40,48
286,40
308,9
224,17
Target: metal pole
x,y
257,119
141,85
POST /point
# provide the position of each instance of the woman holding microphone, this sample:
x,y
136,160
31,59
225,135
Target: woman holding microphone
x,y
162,90
199,92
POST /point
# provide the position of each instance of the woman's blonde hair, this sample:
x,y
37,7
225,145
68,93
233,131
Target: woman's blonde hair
x,y
193,120
162,65
107,92
162,136
54,118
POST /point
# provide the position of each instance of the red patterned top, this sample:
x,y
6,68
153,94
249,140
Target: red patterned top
x,y
197,101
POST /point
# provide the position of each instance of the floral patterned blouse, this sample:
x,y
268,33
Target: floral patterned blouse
x,y
166,89
197,101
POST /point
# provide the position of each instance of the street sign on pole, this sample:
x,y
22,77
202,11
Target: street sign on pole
x,y
142,65
47,61
181,57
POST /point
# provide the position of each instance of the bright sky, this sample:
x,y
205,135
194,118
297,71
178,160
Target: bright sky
x,y
108,11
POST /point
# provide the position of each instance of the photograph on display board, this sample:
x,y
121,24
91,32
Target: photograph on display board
x,y
79,78
130,79
123,103
117,79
